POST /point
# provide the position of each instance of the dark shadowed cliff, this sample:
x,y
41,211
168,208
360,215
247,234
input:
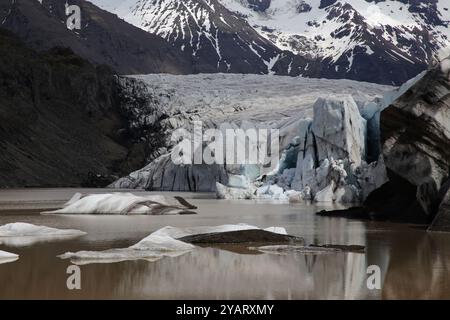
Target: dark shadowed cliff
x,y
60,120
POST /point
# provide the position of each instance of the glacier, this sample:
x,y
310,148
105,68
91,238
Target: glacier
x,y
328,134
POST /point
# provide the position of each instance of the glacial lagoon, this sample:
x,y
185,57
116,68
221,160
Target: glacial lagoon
x,y
413,263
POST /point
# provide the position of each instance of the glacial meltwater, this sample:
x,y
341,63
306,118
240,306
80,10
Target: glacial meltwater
x,y
413,263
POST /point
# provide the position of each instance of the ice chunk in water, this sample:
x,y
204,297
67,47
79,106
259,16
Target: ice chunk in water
x,y
6,257
152,248
20,229
21,234
159,244
125,204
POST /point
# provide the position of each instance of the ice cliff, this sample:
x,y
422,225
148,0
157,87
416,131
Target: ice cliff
x,y
324,162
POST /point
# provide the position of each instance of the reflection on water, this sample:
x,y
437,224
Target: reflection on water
x,y
204,273
419,268
414,264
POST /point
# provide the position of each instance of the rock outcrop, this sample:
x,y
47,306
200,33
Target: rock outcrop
x,y
241,236
415,132
441,222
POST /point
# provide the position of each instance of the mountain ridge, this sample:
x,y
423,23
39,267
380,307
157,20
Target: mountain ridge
x,y
386,42
103,39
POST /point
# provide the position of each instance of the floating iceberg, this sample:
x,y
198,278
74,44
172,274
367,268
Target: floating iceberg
x,y
152,248
233,193
20,229
161,243
6,257
125,204
24,234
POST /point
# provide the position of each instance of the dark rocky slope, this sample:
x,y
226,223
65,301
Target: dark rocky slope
x,y
415,132
103,39
61,123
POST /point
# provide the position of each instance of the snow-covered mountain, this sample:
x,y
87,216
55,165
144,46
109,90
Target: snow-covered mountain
x,y
218,40
383,41
354,37
331,28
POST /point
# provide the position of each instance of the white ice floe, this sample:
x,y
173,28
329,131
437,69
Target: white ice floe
x,y
20,229
124,204
151,248
24,234
6,257
161,243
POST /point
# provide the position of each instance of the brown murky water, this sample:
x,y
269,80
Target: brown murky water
x,y
414,263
